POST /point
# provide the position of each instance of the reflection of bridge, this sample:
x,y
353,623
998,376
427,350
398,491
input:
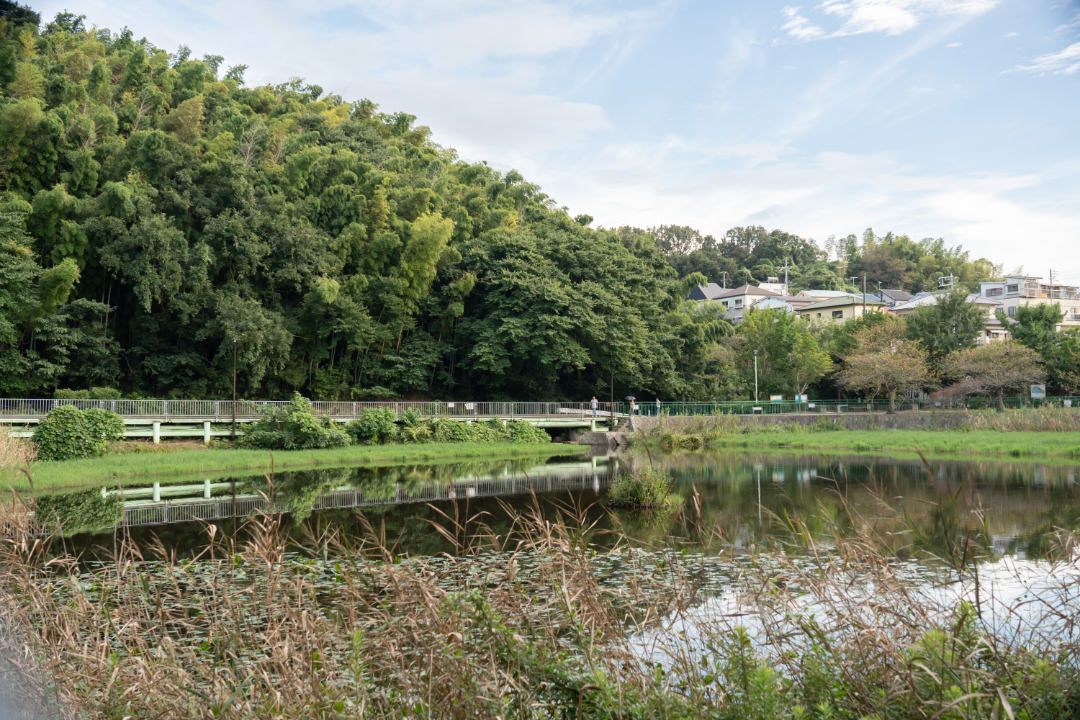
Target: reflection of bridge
x,y
197,418
555,478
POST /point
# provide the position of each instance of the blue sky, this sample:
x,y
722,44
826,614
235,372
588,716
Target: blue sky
x,y
935,118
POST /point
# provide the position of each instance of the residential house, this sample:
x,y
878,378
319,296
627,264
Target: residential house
x,y
839,309
790,303
1026,290
992,330
706,292
892,297
773,284
738,300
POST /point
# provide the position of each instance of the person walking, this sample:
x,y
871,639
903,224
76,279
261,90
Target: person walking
x,y
657,407
594,404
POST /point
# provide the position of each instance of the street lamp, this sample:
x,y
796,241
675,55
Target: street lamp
x,y
755,377
234,388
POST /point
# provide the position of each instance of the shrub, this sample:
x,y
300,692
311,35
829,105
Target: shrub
x,y
645,490
104,393
294,427
824,424
376,426
68,433
62,394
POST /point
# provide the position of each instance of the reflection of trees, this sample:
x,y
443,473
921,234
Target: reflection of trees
x,y
891,497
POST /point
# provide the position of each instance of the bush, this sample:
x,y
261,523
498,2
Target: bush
x,y
68,433
293,427
104,393
376,426
645,490
72,394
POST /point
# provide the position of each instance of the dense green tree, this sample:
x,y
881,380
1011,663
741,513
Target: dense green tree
x,y
951,324
1036,327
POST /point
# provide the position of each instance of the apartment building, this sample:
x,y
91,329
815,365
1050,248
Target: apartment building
x,y
1026,290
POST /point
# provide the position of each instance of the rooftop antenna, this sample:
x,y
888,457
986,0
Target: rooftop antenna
x,y
946,281
854,282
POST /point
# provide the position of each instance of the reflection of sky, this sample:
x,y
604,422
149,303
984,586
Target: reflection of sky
x,y
1030,603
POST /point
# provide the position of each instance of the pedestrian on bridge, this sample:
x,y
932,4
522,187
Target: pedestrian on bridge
x,y
594,405
657,407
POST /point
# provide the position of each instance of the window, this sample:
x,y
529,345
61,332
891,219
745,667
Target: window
x,y
837,314
1013,288
819,314
1012,312
994,292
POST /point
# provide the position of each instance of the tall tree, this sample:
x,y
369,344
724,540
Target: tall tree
x,y
995,369
886,363
953,323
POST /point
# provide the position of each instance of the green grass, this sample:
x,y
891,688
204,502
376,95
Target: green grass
x,y
195,465
976,442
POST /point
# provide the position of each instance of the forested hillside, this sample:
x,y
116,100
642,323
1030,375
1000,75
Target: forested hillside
x,y
154,209
157,214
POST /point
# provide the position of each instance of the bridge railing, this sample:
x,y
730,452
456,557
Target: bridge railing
x,y
222,410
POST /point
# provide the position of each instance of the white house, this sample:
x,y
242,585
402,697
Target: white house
x,y
738,300
839,309
1026,290
790,303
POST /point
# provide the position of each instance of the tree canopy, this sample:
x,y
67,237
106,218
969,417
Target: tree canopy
x,y
154,210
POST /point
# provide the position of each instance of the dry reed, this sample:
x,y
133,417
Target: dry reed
x,y
524,623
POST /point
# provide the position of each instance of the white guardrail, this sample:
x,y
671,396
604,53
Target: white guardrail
x,y
222,410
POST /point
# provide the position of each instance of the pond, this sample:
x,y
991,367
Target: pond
x,y
1010,508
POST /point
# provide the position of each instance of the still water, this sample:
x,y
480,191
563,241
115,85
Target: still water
x,y
742,499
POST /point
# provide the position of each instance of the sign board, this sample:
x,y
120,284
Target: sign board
x,y
449,405
812,406
776,398
801,398
1067,403
1038,392
470,406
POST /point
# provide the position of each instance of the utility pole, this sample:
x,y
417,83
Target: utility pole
x,y
785,276
755,377
853,278
234,388
724,273
864,295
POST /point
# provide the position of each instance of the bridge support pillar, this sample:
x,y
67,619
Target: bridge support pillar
x,y
157,492
157,433
206,434
592,426
206,486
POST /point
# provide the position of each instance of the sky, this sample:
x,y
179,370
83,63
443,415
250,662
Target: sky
x,y
933,118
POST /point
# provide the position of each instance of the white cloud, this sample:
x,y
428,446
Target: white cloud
x,y
799,27
1065,62
1012,34
892,17
952,45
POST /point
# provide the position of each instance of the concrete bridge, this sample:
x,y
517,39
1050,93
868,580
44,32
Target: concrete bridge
x,y
213,418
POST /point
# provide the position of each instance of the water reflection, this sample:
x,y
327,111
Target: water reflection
x,y
952,509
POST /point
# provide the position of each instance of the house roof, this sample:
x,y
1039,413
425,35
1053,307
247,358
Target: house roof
x,y
922,300
897,295
824,294
747,290
843,301
791,299
706,292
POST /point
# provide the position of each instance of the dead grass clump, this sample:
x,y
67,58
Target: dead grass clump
x,y
15,452
1040,419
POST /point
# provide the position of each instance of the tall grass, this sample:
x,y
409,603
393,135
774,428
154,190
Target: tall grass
x,y
524,622
16,455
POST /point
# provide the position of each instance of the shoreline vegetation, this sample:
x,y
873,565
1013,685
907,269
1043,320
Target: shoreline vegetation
x,y
1043,432
185,465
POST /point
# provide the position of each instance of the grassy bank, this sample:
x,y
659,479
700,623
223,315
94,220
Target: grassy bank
x,y
189,465
977,442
